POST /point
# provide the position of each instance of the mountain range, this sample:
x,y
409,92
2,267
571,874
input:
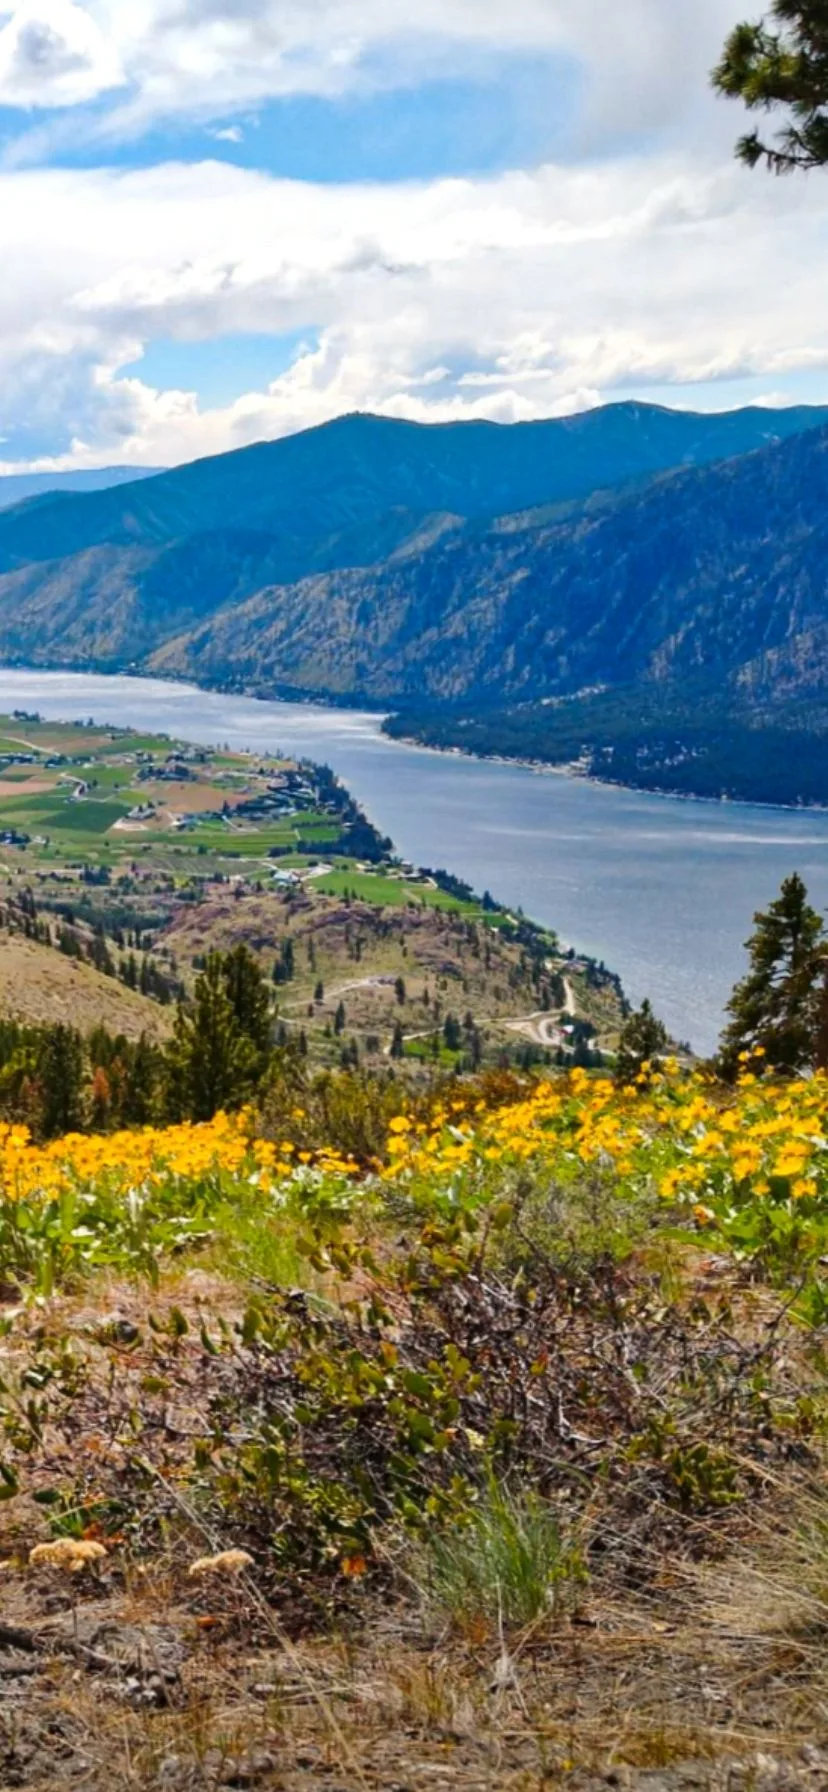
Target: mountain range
x,y
492,584
16,487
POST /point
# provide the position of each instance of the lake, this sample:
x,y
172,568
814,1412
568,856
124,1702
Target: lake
x,y
663,890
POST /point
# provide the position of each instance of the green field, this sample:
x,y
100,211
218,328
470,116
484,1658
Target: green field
x,y
110,777
385,891
52,812
87,817
126,771
8,745
137,743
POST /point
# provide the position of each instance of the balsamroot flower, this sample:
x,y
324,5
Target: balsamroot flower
x,y
229,1562
133,1161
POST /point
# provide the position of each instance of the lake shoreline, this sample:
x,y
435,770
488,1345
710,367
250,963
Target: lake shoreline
x,y
570,769
573,769
661,891
344,705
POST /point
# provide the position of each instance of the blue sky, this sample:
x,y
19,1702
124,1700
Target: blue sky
x,y
484,114
228,219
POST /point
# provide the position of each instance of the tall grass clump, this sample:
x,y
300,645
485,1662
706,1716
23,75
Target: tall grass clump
x,y
509,1566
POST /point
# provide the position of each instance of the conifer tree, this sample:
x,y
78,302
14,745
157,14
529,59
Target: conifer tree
x,y
782,62
212,1064
141,1084
100,1100
643,1038
779,1006
285,967
248,996
61,1071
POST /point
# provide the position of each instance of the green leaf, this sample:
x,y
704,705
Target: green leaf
x,y
417,1384
9,1483
251,1325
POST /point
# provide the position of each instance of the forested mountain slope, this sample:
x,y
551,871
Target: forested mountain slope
x,y
478,580
106,578
716,576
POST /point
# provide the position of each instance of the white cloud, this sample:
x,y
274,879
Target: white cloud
x,y
644,63
52,53
521,296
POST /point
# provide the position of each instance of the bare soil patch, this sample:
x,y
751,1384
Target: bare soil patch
x,y
26,785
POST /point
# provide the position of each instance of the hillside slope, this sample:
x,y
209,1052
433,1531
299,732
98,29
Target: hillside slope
x,y
15,488
40,986
105,579
714,576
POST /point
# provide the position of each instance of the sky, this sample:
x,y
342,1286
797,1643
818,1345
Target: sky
x,y
225,220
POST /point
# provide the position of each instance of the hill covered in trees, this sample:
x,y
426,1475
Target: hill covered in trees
x,y
15,488
712,577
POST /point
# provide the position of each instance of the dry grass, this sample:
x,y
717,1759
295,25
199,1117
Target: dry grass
x,y
191,798
196,1698
43,986
699,1665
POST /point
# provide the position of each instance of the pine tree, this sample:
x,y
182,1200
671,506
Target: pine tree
x,y
248,996
285,966
339,1019
141,1084
61,1071
99,954
398,1042
782,62
643,1038
211,1063
779,1006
